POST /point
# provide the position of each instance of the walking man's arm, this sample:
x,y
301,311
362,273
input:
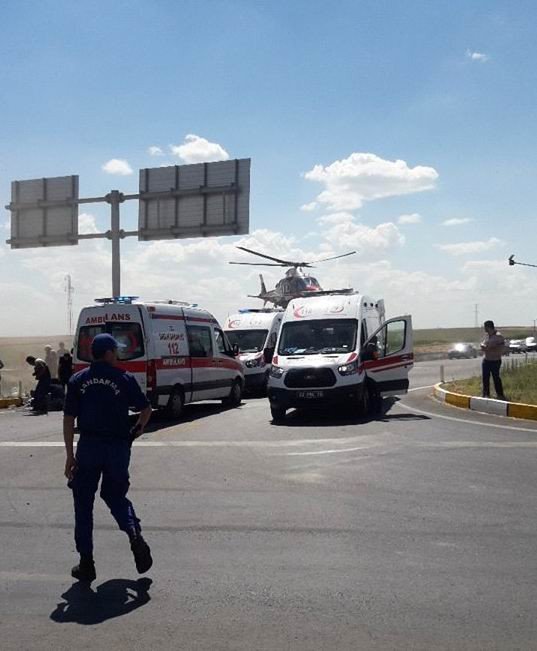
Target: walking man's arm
x,y
68,437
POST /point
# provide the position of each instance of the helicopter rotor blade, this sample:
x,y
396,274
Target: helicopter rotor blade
x,y
259,264
335,257
282,263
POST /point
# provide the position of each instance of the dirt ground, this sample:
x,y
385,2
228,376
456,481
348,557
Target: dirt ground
x,y
13,352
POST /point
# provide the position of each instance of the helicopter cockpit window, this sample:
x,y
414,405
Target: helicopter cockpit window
x,y
318,337
312,282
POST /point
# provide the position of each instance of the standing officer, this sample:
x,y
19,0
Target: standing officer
x,y
100,397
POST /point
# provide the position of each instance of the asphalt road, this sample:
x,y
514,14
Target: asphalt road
x,y
412,531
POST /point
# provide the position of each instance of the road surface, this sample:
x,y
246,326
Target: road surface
x,y
412,531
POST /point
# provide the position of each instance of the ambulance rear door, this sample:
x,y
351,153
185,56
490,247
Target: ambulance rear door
x,y
125,324
388,356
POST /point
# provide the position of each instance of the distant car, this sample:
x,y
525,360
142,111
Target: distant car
x,y
517,346
531,344
462,351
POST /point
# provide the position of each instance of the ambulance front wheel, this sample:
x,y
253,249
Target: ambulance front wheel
x,y
176,404
235,395
277,413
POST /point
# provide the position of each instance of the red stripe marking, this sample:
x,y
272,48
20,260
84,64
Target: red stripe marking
x,y
132,367
167,363
199,319
389,368
407,358
170,317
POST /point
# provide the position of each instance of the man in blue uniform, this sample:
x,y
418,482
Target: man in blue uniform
x,y
100,397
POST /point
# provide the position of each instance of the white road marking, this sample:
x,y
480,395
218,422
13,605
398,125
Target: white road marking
x,y
466,420
428,386
332,451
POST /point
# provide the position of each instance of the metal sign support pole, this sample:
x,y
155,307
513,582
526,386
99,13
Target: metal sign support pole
x,y
114,199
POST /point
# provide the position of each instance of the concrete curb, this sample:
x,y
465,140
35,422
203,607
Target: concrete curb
x,y
486,405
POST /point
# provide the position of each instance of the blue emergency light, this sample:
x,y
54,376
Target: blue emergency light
x,y
117,300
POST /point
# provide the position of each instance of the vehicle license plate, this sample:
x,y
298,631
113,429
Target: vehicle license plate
x,y
310,395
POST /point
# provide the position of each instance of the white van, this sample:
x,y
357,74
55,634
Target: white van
x,y
254,332
176,351
339,349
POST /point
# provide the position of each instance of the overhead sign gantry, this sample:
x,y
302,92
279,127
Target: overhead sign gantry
x,y
175,202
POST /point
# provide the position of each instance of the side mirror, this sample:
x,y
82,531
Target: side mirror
x,y
236,350
268,354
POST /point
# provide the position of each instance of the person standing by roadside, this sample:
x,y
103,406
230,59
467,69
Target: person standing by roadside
x,y
51,360
100,397
493,347
65,368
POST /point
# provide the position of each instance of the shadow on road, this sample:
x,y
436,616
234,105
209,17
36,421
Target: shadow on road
x,y
111,599
191,413
323,418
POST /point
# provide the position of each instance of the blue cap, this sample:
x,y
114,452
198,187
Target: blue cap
x,y
103,342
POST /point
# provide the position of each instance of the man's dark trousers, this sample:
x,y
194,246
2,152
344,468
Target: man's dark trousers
x,y
96,457
492,367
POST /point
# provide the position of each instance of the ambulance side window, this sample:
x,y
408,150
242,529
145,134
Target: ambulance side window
x,y
395,337
222,344
199,341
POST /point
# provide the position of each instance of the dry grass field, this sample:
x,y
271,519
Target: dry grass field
x,y
13,352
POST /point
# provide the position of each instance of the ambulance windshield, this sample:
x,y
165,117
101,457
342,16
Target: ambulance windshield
x,y
318,337
248,341
128,335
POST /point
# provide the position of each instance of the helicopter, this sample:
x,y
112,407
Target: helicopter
x,y
296,284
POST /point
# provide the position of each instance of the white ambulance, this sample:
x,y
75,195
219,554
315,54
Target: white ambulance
x,y
254,332
339,349
177,351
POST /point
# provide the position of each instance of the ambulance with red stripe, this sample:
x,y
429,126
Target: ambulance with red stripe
x,y
254,332
177,351
339,349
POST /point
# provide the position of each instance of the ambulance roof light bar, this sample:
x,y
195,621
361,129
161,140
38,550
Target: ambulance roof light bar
x,y
117,300
171,301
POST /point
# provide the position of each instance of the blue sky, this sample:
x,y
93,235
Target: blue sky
x,y
447,86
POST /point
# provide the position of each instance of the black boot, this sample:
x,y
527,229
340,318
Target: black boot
x,y
85,570
141,553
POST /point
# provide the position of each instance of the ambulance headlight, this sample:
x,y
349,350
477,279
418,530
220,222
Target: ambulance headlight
x,y
253,363
276,371
348,369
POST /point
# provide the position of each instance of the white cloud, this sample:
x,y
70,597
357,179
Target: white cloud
x,y
344,234
365,177
335,218
118,166
309,207
155,151
199,150
477,56
465,248
413,218
86,223
457,221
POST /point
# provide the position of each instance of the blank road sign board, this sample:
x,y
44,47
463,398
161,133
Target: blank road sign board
x,y
194,200
44,212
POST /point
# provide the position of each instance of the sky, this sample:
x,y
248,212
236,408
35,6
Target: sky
x,y
404,131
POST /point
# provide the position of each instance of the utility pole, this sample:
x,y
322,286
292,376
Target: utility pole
x,y
476,315
69,290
